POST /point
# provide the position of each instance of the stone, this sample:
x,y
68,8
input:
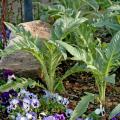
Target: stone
x,y
37,28
23,63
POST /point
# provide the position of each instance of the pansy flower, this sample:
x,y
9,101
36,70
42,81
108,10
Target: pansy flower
x,y
68,112
115,117
26,104
13,93
49,118
5,98
21,118
31,116
35,103
31,96
26,101
65,101
9,109
59,99
14,103
26,107
59,116
23,93
9,75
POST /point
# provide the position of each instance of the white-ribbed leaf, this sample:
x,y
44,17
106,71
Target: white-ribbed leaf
x,y
82,106
115,111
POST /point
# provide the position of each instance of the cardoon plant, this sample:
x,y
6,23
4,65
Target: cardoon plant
x,y
98,59
48,55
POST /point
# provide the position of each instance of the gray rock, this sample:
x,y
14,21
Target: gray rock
x,y
23,63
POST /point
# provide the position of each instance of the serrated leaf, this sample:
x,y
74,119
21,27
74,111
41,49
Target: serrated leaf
x,y
112,53
11,27
82,105
110,79
19,83
72,50
92,3
114,7
115,111
66,25
75,69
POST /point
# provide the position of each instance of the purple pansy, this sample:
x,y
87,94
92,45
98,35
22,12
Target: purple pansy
x,y
55,117
5,98
23,93
5,95
26,104
14,103
13,93
21,118
31,116
56,97
26,101
26,107
114,118
59,117
35,103
20,103
65,101
117,115
23,100
7,73
68,112
31,96
49,118
9,109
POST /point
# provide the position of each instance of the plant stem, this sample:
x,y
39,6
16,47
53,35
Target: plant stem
x,y
102,89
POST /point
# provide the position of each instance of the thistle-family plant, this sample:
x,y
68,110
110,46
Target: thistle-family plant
x,y
109,18
64,7
83,105
60,8
100,60
93,10
47,53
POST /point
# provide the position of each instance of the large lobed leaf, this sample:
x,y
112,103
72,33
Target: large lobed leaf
x,y
112,54
64,26
115,111
92,3
75,69
82,106
19,83
47,54
78,54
